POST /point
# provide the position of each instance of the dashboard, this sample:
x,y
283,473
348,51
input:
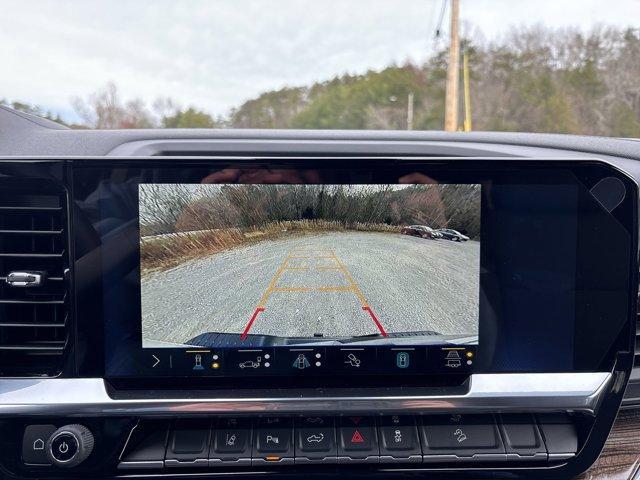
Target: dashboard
x,y
328,304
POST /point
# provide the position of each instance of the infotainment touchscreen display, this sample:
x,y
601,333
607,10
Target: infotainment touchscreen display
x,y
339,272
310,266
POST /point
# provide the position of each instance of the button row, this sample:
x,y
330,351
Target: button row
x,y
199,443
302,361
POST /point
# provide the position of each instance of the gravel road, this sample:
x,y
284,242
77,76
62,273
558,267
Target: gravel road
x,y
318,284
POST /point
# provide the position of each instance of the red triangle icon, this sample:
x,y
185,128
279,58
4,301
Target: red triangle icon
x,y
357,437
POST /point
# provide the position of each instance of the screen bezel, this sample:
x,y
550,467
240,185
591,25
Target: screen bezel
x,y
588,172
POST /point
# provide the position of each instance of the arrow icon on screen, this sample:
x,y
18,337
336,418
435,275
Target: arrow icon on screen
x,y
157,361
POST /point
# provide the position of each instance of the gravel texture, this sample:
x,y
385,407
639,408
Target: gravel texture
x,y
410,284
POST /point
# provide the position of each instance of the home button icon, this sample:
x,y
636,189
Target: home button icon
x,y
34,441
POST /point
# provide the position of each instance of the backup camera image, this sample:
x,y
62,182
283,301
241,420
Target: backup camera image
x,y
234,265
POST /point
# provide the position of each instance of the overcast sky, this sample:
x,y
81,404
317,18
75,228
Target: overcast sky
x,y
216,54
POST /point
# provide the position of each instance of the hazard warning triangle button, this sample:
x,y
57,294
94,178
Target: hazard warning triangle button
x,y
358,438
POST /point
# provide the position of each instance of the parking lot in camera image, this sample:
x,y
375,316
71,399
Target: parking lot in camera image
x,y
376,273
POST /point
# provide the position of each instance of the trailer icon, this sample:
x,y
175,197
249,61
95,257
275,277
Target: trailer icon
x,y
453,359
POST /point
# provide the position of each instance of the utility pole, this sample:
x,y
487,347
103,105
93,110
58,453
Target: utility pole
x,y
451,99
410,111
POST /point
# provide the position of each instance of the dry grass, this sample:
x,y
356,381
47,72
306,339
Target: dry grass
x,y
167,251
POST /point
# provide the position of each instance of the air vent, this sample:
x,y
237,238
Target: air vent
x,y
33,283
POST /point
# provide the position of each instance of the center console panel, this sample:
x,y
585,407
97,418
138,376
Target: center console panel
x,y
229,442
521,369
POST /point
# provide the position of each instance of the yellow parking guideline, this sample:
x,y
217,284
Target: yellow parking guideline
x,y
351,281
273,282
352,287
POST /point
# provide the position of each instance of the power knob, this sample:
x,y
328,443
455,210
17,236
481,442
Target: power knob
x,y
69,445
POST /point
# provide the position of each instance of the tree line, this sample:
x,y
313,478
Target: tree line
x,y
186,208
533,80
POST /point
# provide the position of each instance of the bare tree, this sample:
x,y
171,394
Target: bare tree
x,y
105,110
162,205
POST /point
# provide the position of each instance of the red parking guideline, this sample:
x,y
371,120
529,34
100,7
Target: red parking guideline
x,y
375,320
253,318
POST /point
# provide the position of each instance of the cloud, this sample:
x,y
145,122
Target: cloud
x,y
217,54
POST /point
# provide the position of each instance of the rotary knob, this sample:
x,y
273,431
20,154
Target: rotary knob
x,y
69,445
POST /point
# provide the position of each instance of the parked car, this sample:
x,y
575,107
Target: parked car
x,y
420,231
451,234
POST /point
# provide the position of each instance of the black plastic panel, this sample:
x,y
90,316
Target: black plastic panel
x,y
535,273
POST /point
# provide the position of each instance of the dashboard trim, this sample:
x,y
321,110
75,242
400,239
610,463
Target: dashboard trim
x,y
532,392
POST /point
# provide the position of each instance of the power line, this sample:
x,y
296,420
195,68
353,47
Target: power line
x,y
440,19
436,37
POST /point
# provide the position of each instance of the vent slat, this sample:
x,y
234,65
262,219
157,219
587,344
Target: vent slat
x,y
29,348
33,255
31,325
30,232
30,209
31,302
33,319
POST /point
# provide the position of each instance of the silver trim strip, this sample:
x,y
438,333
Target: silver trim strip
x,y
534,392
